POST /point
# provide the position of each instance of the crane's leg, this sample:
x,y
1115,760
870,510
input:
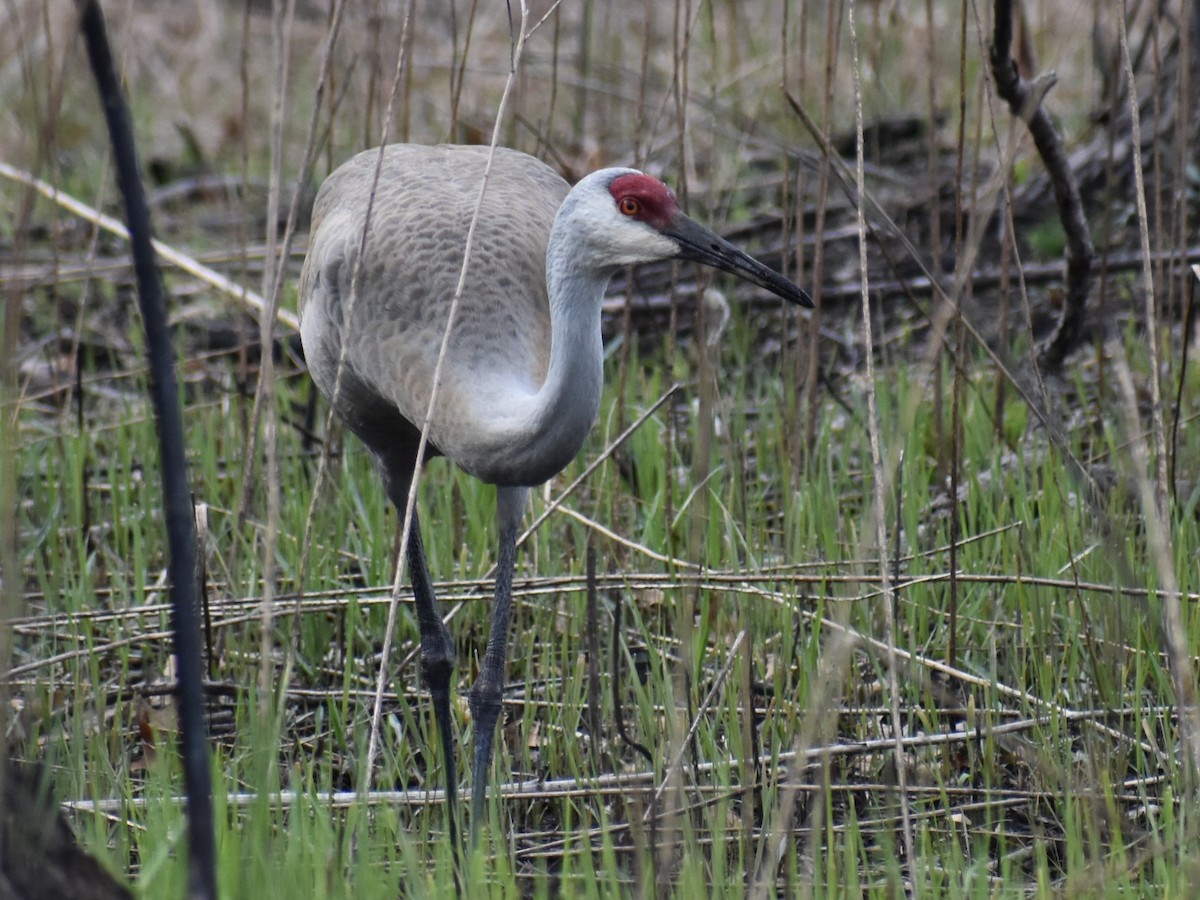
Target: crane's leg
x,y
487,692
437,664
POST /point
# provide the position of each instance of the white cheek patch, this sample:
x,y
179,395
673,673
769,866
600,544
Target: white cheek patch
x,y
640,245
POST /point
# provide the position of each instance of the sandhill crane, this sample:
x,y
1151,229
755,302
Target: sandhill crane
x,y
520,384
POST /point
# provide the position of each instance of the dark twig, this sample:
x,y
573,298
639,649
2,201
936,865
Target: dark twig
x,y
1189,323
619,720
181,526
593,659
618,714
1025,100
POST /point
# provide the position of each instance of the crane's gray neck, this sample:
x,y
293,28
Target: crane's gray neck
x,y
541,432
569,400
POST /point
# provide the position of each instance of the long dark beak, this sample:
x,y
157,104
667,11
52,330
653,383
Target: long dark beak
x,y
698,244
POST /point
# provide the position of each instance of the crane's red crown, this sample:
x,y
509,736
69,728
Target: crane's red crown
x,y
644,198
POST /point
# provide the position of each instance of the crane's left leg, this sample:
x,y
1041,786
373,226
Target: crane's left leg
x,y
398,464
488,691
437,665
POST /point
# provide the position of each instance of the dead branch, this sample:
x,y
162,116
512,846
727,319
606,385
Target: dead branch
x,y
1025,100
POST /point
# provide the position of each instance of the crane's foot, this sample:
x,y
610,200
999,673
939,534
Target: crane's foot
x,y
485,704
437,667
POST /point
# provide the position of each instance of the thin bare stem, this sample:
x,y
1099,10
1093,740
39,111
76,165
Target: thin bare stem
x,y
880,474
1153,487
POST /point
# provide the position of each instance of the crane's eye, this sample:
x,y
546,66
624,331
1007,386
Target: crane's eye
x,y
629,206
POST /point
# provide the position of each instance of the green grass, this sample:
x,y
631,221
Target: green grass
x,y
1081,782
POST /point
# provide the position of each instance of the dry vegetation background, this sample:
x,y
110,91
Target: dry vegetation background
x,y
714,97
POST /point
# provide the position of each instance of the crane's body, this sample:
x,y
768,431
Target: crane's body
x,y
486,398
521,380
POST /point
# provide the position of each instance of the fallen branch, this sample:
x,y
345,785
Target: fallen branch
x,y
243,295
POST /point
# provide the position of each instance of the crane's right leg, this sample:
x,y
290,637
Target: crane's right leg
x,y
487,694
437,665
